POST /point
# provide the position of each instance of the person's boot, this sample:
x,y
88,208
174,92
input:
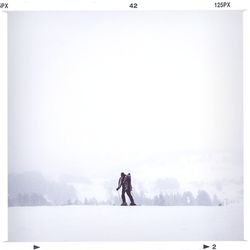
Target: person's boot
x,y
132,204
124,204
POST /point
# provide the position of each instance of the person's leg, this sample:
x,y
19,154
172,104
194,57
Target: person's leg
x,y
123,196
130,197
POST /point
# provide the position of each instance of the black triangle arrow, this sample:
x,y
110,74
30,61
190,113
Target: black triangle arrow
x,y
35,247
205,246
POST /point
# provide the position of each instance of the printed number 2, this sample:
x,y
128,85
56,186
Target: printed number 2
x,y
213,246
133,5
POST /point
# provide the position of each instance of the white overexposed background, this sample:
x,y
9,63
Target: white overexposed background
x,y
157,94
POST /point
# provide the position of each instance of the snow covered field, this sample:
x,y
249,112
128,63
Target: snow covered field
x,y
115,223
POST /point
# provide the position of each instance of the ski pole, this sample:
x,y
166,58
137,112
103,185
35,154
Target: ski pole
x,y
119,195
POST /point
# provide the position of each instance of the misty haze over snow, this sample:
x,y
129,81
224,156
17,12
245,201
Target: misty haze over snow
x,y
94,94
102,187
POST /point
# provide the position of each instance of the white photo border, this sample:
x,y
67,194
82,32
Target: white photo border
x,y
31,5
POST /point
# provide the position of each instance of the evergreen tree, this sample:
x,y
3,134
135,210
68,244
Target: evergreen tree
x,y
203,198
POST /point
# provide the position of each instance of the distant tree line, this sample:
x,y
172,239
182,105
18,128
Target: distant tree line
x,y
176,199
26,199
173,199
32,189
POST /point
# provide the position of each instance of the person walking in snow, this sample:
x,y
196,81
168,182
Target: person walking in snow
x,y
125,183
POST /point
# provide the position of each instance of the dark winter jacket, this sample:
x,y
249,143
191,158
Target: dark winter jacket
x,y
125,183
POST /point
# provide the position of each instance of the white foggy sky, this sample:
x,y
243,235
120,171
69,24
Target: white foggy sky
x,y
157,94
